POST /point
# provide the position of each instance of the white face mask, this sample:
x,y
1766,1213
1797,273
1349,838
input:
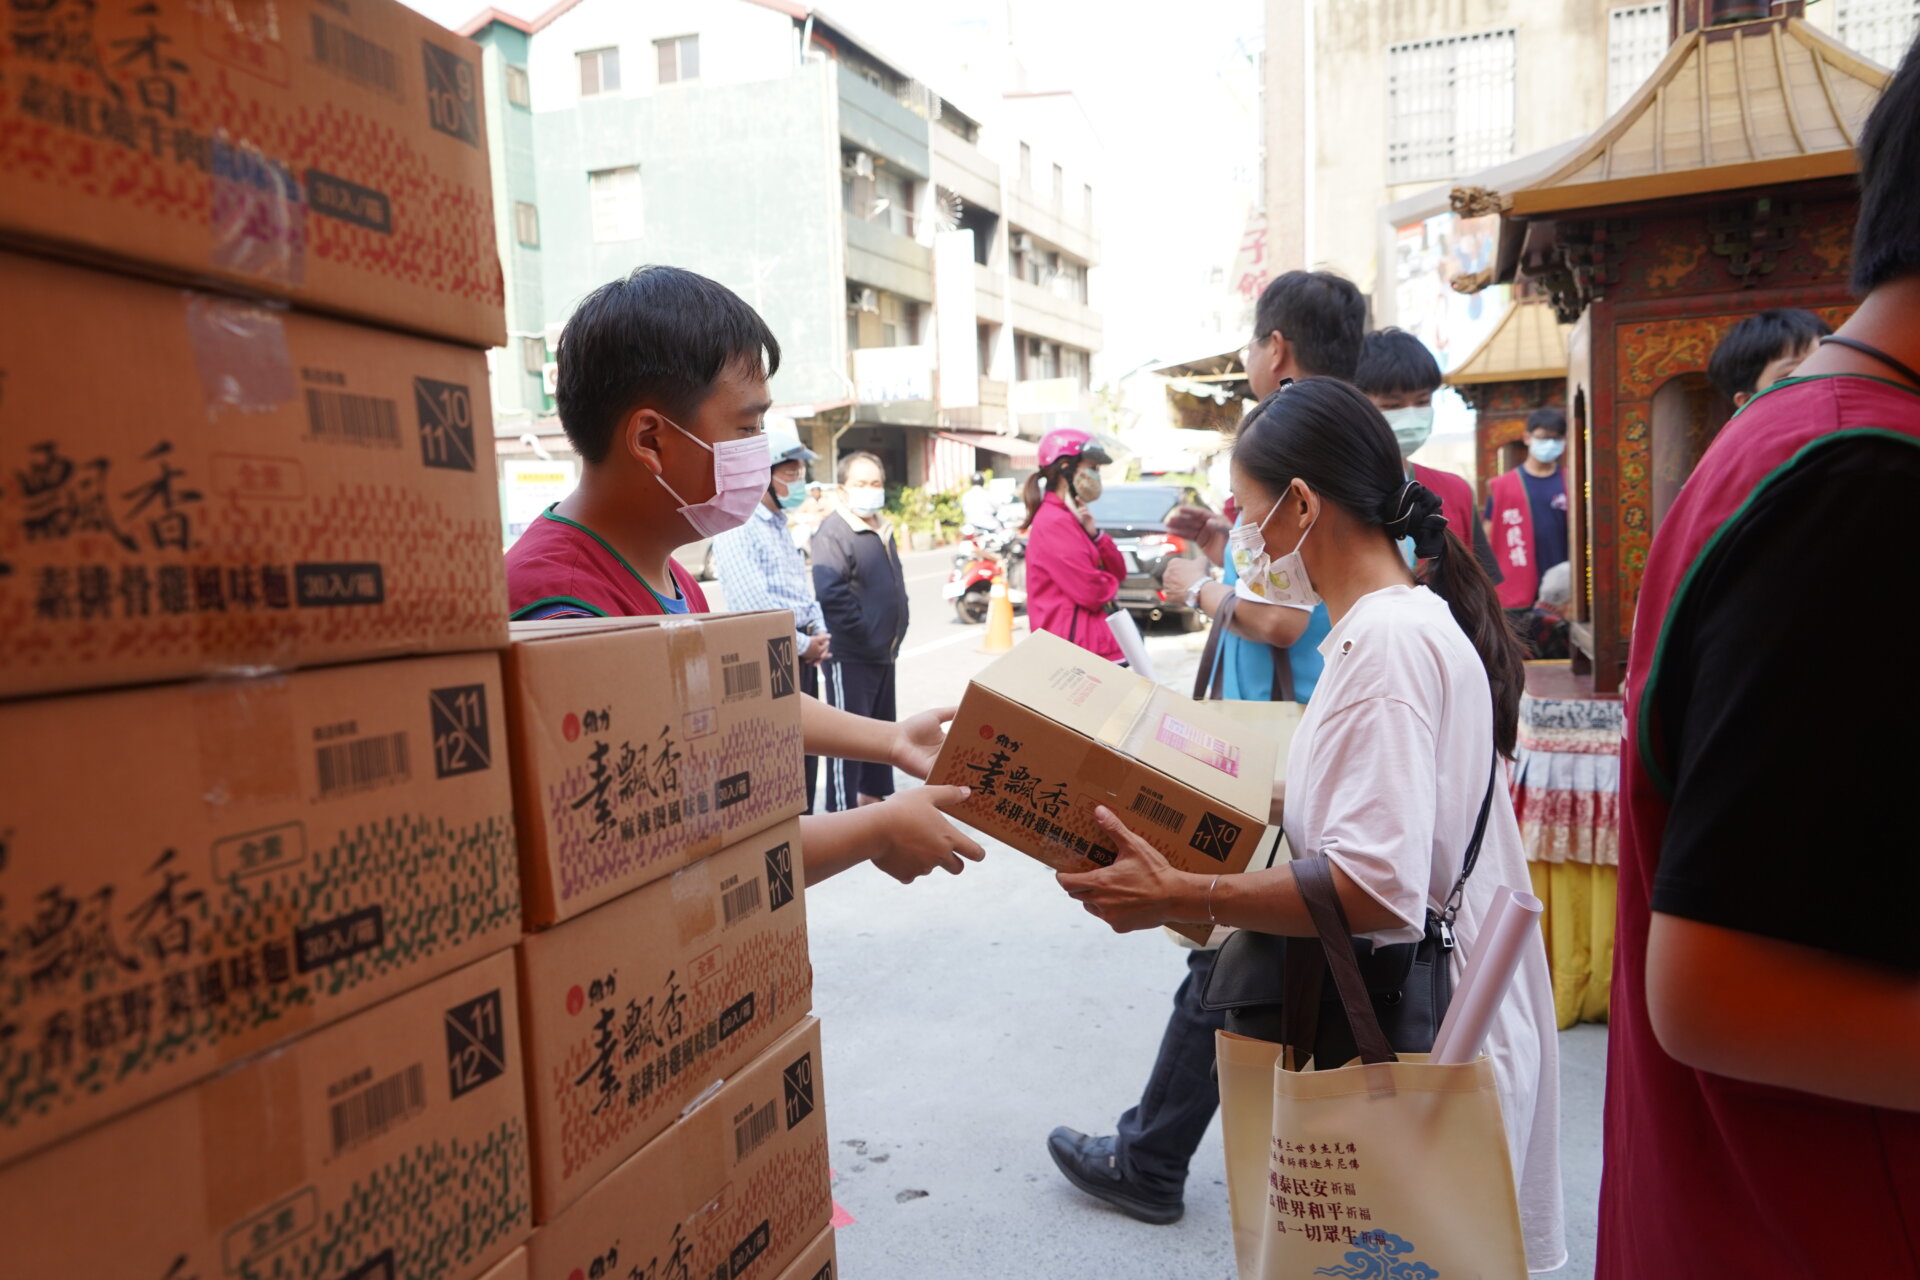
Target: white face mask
x,y
742,469
1546,448
867,502
1263,579
1411,426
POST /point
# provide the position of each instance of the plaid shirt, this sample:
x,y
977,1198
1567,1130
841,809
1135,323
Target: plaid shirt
x,y
759,567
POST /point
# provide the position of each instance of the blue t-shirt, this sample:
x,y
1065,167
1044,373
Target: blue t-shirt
x,y
1547,504
1249,673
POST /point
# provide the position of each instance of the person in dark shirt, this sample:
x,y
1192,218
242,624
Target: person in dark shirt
x,y
863,593
1764,349
1527,508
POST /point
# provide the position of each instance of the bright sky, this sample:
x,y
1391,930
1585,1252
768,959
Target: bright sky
x,y
1172,103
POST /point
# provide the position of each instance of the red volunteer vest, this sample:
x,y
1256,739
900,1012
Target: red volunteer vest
x,y
1705,1175
558,562
1456,500
1513,514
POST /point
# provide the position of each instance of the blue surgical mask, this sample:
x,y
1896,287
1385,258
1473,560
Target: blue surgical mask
x,y
1546,448
792,501
1411,425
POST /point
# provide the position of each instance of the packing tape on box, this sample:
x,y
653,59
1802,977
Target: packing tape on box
x,y
240,349
258,214
1127,724
1103,772
253,1145
693,902
688,668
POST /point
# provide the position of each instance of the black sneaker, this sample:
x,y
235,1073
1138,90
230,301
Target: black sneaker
x,y
1092,1165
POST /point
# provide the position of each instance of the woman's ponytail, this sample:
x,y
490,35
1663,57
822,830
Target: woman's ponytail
x,y
1041,483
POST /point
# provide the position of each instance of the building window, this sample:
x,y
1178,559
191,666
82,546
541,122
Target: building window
x,y
899,321
1026,165
1881,29
679,59
1450,106
533,355
1636,41
526,224
1069,279
893,194
1074,364
518,91
615,197
599,72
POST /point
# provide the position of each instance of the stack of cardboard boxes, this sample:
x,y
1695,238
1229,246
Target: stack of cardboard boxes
x,y
260,887
673,1070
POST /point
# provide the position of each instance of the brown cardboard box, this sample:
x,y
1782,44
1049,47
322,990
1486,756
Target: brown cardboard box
x,y
192,872
819,1262
514,1267
641,744
737,1188
635,1008
194,484
330,153
1049,731
390,1145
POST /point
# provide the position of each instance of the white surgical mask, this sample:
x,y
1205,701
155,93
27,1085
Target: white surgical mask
x,y
1264,579
742,469
1411,426
1546,448
867,502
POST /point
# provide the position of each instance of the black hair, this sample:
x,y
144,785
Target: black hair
x,y
660,337
1757,342
1886,239
1393,360
1326,434
844,467
1547,419
1321,314
1042,482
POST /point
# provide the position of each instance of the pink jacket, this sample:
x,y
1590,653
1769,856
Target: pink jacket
x,y
1071,579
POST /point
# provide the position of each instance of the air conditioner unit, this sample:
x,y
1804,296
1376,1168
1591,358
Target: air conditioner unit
x,y
862,165
869,301
550,378
1022,242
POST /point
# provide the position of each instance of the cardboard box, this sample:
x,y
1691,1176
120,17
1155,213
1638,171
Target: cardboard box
x,y
390,1145
738,1188
194,484
635,1008
819,1262
512,1267
641,744
1049,731
191,873
329,152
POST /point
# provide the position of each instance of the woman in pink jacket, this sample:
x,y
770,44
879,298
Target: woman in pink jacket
x,y
1073,570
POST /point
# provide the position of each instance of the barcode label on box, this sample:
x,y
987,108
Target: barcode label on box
x,y
355,57
1158,813
741,901
742,679
362,763
754,1130
337,416
378,1107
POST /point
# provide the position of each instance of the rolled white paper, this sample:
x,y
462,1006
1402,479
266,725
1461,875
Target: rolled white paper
x,y
1511,929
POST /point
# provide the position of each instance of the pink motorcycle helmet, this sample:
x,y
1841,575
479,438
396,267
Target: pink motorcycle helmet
x,y
1071,442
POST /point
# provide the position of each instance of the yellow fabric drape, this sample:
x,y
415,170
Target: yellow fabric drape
x,y
1578,923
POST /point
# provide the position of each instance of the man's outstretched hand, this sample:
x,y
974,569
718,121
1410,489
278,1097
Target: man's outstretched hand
x,y
918,739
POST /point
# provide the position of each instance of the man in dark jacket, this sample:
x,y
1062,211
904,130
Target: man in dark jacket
x,y
863,593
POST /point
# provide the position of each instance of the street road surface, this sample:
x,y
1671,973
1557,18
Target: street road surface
x,y
964,1017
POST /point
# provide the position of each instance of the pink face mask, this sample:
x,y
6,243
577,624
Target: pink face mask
x,y
741,470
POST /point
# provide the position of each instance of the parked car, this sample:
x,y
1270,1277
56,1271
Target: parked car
x,y
1136,516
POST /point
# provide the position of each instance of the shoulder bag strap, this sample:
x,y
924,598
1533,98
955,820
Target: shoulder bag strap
x,y
1473,847
1210,679
1315,878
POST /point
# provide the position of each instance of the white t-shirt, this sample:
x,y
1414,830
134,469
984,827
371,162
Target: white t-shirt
x,y
1386,775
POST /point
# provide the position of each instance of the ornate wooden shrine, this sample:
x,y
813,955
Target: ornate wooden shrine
x,y
1522,366
1722,187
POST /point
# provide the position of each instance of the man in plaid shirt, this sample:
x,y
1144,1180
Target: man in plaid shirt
x,y
760,567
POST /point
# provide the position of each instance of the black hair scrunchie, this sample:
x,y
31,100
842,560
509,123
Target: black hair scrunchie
x,y
1414,511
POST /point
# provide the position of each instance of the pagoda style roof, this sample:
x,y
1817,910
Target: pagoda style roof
x,y
1529,342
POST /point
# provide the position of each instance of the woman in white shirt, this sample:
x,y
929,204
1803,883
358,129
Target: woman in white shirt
x,y
1389,764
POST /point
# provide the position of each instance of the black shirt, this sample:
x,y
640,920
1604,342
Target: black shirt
x,y
1782,704
862,590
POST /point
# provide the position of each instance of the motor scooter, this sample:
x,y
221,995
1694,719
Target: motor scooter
x,y
977,561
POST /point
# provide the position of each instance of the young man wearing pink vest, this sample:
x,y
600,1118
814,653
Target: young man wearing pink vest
x,y
1527,509
662,388
1763,1075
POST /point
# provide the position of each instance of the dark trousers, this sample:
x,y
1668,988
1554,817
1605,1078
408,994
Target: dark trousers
x,y
866,689
1159,1136
810,685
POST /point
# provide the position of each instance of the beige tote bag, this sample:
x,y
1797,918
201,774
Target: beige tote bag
x,y
1389,1168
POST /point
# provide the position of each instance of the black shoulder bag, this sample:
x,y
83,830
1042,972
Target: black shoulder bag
x,y
1210,680
1274,988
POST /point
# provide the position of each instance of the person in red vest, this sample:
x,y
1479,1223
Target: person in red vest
x,y
1400,376
662,389
1527,508
1763,1075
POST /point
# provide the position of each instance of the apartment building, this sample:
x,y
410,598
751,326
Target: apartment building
x,y
924,264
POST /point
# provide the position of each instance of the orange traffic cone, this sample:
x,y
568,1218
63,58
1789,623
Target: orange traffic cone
x,y
999,619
